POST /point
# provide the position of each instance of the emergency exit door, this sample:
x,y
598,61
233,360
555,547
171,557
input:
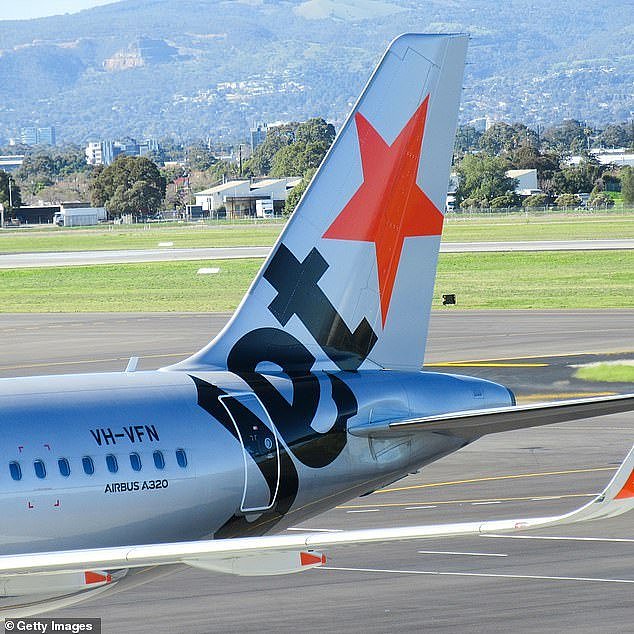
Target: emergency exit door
x,y
260,450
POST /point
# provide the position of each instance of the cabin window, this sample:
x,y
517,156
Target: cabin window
x,y
40,469
88,464
159,460
111,463
135,461
64,467
181,458
15,470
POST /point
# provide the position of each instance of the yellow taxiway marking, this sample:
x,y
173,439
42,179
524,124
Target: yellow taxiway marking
x,y
485,364
493,478
502,362
55,363
529,356
82,361
185,354
560,395
532,498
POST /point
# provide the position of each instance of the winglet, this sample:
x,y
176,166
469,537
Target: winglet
x,y
628,489
616,498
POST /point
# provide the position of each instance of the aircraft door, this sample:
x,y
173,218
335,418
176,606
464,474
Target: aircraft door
x,y
261,453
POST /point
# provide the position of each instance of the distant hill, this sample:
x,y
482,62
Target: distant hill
x,y
196,68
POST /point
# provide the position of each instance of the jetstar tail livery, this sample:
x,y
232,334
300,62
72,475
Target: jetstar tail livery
x,y
310,396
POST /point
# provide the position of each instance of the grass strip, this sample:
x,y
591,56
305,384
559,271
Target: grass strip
x,y
464,229
580,279
531,228
608,372
547,279
115,238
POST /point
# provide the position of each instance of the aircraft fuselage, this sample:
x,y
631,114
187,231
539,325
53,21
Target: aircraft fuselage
x,y
124,458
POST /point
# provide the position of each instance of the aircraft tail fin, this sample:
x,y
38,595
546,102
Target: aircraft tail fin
x,y
349,283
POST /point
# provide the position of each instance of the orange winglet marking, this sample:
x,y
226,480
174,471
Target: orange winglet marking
x,y
628,489
95,577
308,559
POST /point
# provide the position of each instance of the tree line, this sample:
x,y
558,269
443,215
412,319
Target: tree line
x,y
138,186
482,160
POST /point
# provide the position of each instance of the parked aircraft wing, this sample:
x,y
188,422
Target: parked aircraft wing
x,y
475,423
278,554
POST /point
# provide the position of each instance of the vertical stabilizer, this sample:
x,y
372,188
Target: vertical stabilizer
x,y
349,283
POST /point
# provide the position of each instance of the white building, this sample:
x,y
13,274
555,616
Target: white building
x,y
620,157
215,197
526,182
105,152
238,197
11,162
94,155
274,188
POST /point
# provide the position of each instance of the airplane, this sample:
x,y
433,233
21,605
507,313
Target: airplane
x,y
311,395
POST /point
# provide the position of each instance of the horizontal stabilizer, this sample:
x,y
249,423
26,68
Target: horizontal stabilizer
x,y
475,423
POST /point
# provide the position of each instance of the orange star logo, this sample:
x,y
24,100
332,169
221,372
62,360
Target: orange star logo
x,y
389,206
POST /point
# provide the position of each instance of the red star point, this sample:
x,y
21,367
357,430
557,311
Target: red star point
x,y
389,206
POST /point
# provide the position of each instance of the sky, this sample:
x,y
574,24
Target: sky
x,y
27,9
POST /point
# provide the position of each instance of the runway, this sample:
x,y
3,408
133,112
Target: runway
x,y
127,256
577,580
83,258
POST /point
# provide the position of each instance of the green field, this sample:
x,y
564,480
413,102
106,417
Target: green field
x,y
115,237
538,228
517,226
609,372
592,279
546,279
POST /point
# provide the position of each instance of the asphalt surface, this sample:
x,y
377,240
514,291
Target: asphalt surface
x,y
82,258
127,256
535,245
478,584
91,342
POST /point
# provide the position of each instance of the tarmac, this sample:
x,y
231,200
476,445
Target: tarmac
x,y
578,579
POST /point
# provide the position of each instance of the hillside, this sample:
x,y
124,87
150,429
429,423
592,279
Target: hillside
x,y
195,68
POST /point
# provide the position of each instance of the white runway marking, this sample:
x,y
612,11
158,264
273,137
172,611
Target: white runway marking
x,y
416,508
171,254
589,426
625,540
454,552
395,505
315,530
490,575
485,503
364,511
